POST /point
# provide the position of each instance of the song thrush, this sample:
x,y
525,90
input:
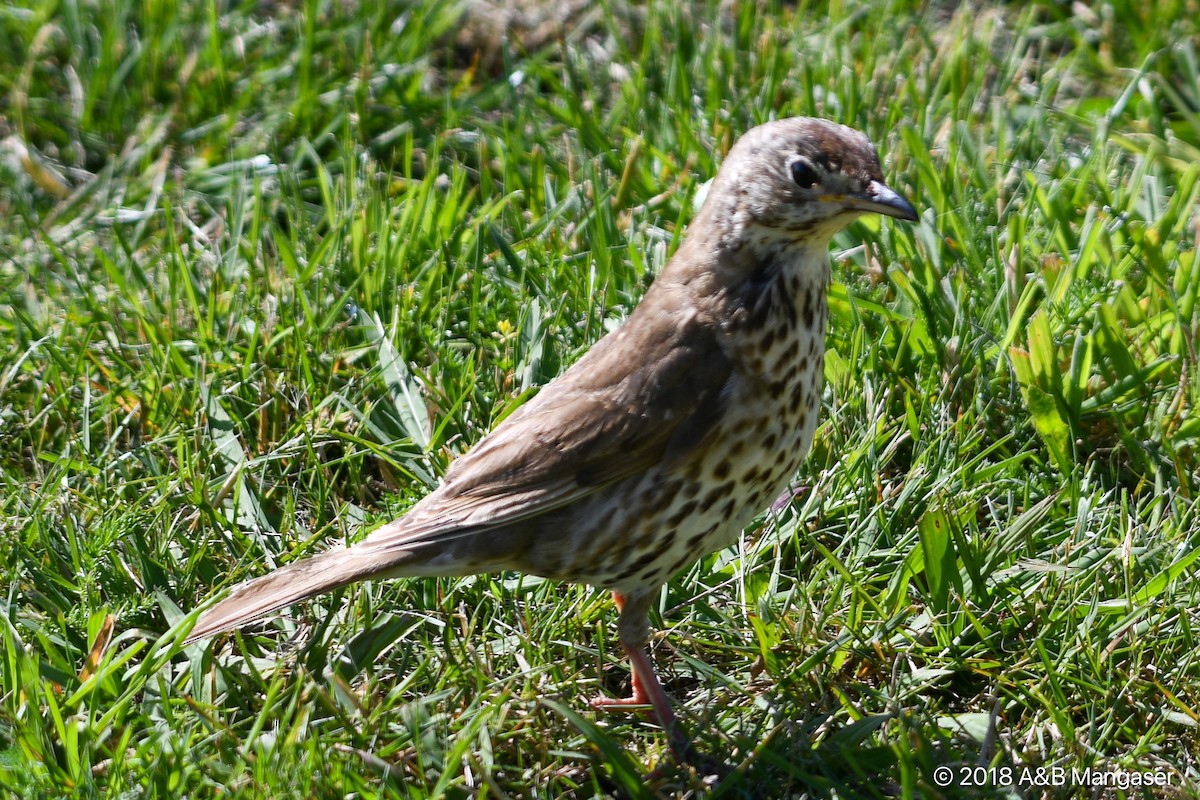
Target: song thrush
x,y
670,434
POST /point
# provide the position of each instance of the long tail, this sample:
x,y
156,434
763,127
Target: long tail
x,y
290,584
405,547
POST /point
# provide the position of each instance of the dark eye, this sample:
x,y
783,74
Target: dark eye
x,y
804,175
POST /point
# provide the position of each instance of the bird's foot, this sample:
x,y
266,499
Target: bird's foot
x,y
638,701
615,705
641,701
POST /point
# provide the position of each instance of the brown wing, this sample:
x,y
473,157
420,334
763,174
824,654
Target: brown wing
x,y
647,394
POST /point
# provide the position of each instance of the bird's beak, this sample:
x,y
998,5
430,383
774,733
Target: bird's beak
x,y
879,198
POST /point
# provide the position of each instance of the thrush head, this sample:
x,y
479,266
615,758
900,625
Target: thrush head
x,y
795,182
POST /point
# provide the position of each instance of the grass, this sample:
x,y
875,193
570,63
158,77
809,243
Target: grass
x,y
266,269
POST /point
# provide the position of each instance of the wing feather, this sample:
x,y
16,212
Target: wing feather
x,y
604,420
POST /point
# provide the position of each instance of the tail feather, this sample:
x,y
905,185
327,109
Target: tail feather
x,y
404,547
283,587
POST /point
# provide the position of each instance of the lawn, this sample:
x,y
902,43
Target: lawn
x,y
267,268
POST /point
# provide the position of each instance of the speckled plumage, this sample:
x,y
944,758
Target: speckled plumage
x,y
671,433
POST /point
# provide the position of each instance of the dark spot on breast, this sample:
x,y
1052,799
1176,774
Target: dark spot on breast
x,y
711,498
765,273
768,339
623,575
683,513
811,310
721,470
646,558
793,348
762,295
645,540
761,496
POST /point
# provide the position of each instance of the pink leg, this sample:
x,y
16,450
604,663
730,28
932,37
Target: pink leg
x,y
633,629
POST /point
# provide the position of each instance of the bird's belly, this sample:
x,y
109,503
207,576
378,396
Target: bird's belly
x,y
640,532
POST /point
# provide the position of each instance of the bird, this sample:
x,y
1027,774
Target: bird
x,y
669,435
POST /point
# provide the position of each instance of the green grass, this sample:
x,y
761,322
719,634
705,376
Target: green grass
x,y
265,270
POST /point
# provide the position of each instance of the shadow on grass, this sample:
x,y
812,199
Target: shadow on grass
x,y
857,761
